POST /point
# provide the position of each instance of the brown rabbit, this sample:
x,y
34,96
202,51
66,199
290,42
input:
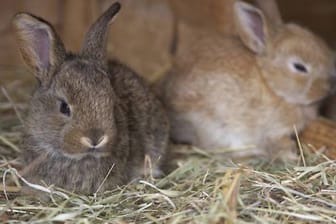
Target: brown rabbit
x,y
248,89
87,114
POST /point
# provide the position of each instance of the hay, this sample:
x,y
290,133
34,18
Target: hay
x,y
203,188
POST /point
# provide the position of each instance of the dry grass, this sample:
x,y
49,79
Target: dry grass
x,y
204,188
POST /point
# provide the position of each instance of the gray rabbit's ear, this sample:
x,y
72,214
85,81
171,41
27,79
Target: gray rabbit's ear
x,y
40,46
95,41
251,26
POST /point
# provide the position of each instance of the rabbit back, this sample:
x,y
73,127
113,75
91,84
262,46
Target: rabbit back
x,y
147,120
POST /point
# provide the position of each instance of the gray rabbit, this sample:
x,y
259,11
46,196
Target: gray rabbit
x,y
87,115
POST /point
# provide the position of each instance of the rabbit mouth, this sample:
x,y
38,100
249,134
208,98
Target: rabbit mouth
x,y
98,152
88,152
85,146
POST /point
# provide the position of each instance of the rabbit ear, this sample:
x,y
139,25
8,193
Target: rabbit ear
x,y
251,27
95,42
271,10
40,46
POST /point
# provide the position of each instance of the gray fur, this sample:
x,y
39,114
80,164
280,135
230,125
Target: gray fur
x,y
104,96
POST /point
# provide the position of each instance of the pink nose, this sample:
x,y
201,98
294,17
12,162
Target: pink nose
x,y
95,135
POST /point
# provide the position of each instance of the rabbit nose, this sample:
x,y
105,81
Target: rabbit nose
x,y
94,138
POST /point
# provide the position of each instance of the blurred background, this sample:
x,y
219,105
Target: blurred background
x,y
140,32
141,36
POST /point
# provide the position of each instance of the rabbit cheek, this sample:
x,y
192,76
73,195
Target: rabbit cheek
x,y
295,88
319,89
281,85
307,90
72,146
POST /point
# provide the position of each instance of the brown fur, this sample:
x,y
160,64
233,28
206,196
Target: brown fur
x,y
108,103
239,90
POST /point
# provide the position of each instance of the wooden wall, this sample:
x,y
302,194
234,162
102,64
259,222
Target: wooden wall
x,y
141,35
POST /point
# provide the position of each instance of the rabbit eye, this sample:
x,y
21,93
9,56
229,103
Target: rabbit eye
x,y
300,67
64,108
297,65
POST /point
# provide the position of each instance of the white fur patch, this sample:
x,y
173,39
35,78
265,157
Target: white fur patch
x,y
88,142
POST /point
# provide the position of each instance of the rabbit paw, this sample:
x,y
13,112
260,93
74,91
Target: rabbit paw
x,y
283,150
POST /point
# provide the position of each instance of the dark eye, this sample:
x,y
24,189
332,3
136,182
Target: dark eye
x,y
64,108
300,68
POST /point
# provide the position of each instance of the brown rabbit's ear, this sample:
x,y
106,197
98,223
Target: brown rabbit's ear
x,y
95,41
271,10
40,46
251,26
